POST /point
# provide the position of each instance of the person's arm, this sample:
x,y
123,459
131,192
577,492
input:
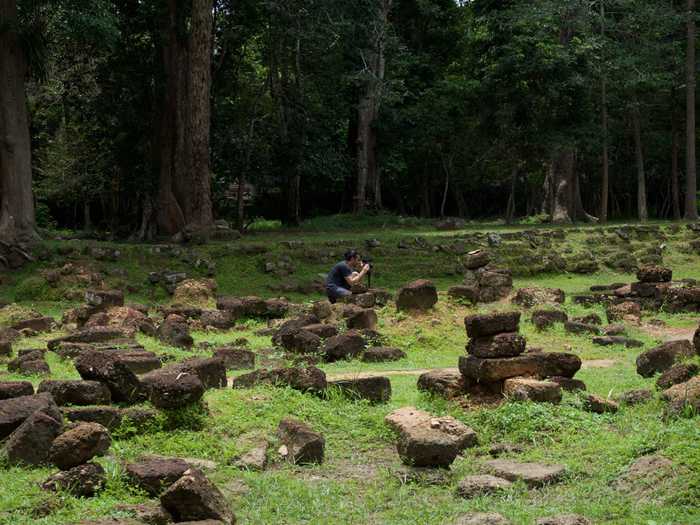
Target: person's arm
x,y
355,277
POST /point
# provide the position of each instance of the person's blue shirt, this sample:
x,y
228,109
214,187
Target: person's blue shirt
x,y
337,275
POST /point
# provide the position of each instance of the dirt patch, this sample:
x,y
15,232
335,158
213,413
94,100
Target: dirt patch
x,y
592,363
382,373
360,467
649,477
667,333
477,402
599,363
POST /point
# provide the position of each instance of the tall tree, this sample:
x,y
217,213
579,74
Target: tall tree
x,y
691,198
184,193
605,182
17,221
566,203
675,147
374,68
642,213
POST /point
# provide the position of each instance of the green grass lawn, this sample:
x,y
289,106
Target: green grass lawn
x,y
362,480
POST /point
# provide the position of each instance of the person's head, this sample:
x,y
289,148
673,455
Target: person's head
x,y
352,258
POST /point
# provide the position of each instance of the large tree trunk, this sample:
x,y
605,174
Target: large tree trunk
x,y
368,181
560,187
294,188
675,147
87,218
691,206
287,90
184,193
562,192
639,157
562,200
170,216
146,230
605,183
17,221
365,157
198,207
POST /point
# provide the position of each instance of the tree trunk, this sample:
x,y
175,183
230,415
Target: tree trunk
x,y
240,205
561,187
350,183
368,181
639,156
510,207
184,193
675,147
398,197
87,219
605,183
364,130
198,207
579,211
170,216
691,206
604,110
17,220
375,177
459,199
447,167
425,197
147,227
562,194
286,86
294,198
294,189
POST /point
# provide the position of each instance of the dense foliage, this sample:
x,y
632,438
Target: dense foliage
x,y
460,106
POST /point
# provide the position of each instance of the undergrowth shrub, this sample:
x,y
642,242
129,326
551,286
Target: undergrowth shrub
x,y
36,288
527,422
191,417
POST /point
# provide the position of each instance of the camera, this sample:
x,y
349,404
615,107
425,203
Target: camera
x,y
368,261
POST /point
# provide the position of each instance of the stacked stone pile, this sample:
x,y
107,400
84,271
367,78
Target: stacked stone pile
x,y
376,389
529,297
498,361
419,295
255,307
108,341
654,289
30,362
652,286
483,282
96,301
321,336
186,495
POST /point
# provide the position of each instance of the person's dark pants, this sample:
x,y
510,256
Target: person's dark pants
x,y
335,292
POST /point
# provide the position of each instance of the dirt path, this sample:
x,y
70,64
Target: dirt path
x,y
592,363
668,333
408,372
